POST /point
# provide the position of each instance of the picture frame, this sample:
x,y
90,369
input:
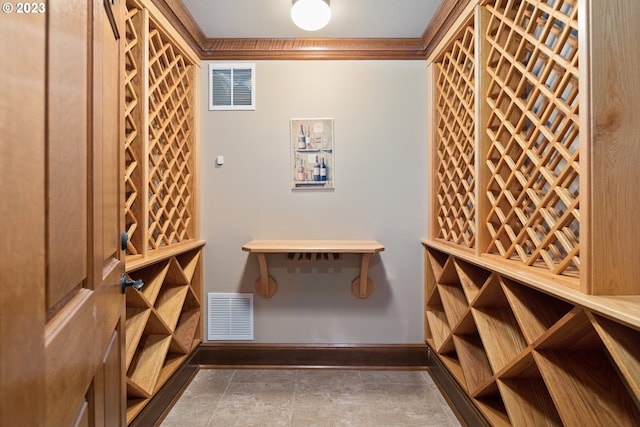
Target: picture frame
x,y
312,154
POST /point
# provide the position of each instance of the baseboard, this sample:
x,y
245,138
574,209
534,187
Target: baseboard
x,y
404,356
459,401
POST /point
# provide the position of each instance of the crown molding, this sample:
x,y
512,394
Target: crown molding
x,y
183,22
310,48
442,20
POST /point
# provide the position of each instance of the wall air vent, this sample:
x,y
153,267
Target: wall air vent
x,y
232,86
230,316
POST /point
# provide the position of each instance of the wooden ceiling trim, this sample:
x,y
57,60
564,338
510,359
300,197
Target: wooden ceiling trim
x,y
233,49
442,20
310,48
179,16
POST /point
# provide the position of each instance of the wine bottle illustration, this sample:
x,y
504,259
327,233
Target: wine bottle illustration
x,y
302,139
323,171
302,174
316,170
307,137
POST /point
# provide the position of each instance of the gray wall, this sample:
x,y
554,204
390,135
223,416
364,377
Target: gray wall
x,y
379,112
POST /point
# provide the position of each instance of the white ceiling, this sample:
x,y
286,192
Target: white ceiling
x,y
349,18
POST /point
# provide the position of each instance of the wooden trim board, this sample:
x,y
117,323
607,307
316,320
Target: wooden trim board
x,y
312,355
313,246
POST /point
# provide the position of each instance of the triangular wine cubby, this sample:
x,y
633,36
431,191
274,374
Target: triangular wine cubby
x,y
535,312
163,322
473,361
527,357
623,345
497,325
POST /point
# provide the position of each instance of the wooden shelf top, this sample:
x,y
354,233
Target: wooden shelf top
x,y
136,262
622,308
313,246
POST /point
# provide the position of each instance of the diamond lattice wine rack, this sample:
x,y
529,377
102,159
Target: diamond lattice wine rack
x,y
163,324
531,295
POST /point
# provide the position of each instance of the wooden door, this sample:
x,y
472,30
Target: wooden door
x,y
62,317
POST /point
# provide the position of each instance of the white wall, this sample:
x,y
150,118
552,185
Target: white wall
x,y
379,112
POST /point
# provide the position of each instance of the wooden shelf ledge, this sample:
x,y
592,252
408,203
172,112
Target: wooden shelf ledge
x,y
623,309
266,285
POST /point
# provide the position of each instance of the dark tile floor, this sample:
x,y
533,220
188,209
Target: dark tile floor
x,y
310,397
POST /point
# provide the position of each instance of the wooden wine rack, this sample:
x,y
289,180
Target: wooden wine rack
x,y
160,87
526,357
133,119
531,295
163,321
163,324
527,148
527,195
532,160
455,202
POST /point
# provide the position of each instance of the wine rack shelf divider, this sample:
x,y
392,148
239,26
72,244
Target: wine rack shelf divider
x,y
163,319
531,294
525,353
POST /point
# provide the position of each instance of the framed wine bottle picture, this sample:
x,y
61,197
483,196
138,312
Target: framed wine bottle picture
x,y
312,154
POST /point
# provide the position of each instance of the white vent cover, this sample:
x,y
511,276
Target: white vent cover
x,y
232,86
230,316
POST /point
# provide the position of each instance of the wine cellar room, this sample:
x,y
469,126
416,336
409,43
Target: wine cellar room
x,y
460,202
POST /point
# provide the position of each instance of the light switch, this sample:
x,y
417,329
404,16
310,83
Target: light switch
x,y
220,160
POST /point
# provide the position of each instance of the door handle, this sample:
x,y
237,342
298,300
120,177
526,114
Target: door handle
x,y
137,284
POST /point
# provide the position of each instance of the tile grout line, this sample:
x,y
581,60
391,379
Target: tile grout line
x,y
368,407
213,413
443,404
293,398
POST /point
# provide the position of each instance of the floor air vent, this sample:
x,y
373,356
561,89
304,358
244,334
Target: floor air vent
x,y
230,316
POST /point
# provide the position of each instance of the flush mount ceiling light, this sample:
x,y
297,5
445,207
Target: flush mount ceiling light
x,y
310,15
